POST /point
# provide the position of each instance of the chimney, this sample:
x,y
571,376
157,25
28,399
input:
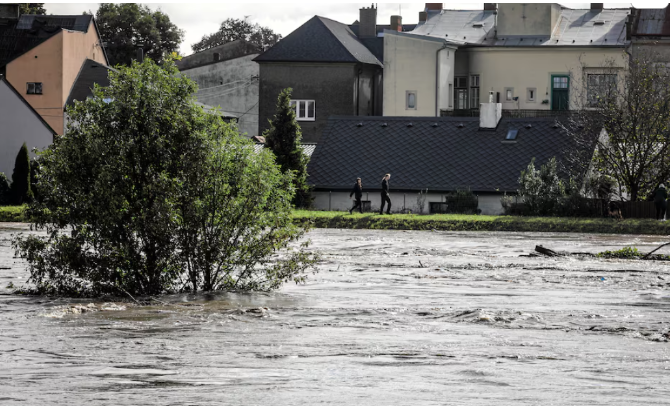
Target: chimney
x,y
396,23
489,114
423,16
597,6
368,22
9,11
490,6
433,7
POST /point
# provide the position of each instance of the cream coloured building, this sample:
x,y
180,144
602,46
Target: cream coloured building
x,y
525,56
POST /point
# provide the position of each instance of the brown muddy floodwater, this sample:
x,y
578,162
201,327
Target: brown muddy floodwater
x,y
392,318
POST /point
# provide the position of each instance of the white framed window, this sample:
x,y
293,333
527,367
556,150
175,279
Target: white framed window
x,y
34,88
474,91
305,110
531,94
509,94
410,100
600,87
461,92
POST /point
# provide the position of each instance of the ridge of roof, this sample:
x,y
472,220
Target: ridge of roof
x,y
4,80
356,39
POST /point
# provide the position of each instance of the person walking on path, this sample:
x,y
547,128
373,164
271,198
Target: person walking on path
x,y
385,194
660,202
358,193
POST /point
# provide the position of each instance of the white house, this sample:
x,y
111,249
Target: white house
x,y
20,123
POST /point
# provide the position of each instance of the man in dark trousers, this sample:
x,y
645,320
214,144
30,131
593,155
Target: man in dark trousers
x,y
660,197
385,194
358,192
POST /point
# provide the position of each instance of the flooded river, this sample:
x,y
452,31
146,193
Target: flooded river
x,y
392,318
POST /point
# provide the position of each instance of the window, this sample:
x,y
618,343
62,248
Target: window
x,y
451,89
509,94
34,88
511,134
531,94
217,56
474,91
600,87
304,109
461,92
410,100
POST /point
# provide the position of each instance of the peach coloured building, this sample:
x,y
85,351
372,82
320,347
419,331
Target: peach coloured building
x,y
41,56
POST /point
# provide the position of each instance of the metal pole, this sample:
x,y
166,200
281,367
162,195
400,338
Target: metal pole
x,y
330,195
404,196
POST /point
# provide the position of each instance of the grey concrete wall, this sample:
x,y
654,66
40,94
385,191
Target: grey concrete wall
x,y
227,51
340,201
231,85
19,125
331,86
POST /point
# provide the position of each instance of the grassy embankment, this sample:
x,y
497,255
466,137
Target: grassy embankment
x,y
12,214
457,222
449,222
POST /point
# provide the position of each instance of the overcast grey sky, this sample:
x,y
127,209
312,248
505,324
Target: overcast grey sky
x,y
198,19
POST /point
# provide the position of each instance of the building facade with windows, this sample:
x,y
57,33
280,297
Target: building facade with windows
x,y
227,78
525,56
41,57
330,69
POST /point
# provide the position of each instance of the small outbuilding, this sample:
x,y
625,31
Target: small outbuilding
x,y
434,154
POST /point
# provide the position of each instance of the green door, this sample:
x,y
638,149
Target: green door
x,y
560,92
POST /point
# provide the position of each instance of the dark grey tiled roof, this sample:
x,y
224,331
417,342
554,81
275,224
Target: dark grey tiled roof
x,y
319,40
91,72
433,153
380,27
29,31
653,21
574,28
74,22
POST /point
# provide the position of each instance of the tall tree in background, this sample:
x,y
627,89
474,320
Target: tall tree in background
x,y
233,29
21,177
125,27
632,105
284,139
32,8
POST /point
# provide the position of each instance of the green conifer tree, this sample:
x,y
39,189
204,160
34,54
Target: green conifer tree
x,y
21,192
284,139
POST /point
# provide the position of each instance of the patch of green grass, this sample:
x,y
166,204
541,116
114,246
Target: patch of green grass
x,y
625,252
12,214
462,222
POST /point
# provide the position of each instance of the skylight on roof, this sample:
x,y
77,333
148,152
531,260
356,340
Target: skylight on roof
x,y
477,25
511,134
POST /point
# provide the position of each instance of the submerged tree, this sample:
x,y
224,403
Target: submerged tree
x,y
149,194
284,139
632,107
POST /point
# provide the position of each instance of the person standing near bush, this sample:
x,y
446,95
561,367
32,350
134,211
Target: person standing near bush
x,y
385,194
357,191
660,201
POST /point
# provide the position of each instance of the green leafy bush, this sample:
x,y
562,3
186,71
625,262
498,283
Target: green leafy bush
x,y
149,194
462,202
624,253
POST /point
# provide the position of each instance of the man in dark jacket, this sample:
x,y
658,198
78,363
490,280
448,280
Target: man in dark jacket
x,y
358,192
385,194
660,202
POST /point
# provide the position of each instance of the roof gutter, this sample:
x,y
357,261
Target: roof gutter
x,y
437,78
